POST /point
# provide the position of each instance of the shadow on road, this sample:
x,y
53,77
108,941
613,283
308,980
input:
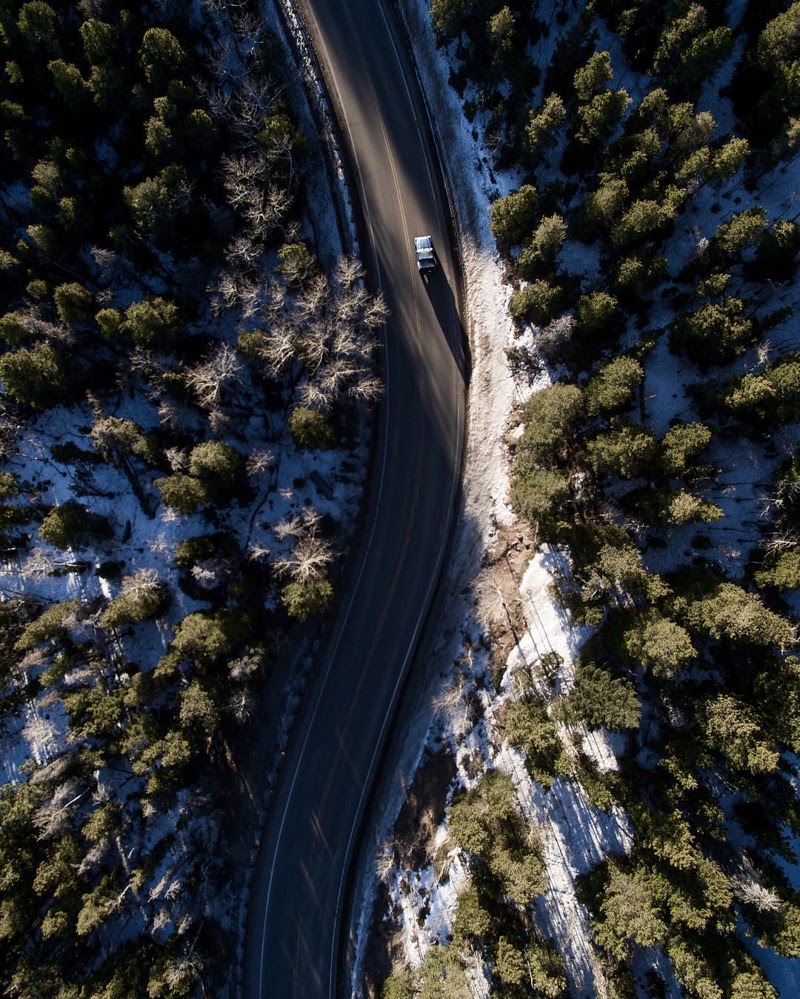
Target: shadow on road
x,y
445,306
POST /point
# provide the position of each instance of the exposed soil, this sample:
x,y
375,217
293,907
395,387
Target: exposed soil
x,y
423,810
414,835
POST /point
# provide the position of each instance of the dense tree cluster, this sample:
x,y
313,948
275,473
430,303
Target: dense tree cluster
x,y
167,337
686,661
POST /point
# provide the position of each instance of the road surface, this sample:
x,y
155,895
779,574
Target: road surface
x,y
292,946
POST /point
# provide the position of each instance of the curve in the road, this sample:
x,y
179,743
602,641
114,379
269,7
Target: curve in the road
x,y
299,883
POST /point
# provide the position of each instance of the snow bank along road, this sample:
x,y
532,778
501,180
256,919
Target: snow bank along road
x,y
299,886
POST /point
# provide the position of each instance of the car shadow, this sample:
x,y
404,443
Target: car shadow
x,y
446,306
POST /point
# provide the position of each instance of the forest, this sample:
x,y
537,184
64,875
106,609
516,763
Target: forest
x,y
651,239
187,368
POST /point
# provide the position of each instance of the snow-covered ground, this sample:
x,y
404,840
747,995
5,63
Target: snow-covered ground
x,y
574,836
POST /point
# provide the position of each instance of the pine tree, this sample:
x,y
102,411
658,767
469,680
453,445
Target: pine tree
x,y
543,246
602,701
592,78
733,613
731,728
681,445
311,430
627,451
660,645
34,377
71,525
630,914
716,333
551,418
512,217
611,390
543,125
303,598
160,56
742,230
537,302
541,496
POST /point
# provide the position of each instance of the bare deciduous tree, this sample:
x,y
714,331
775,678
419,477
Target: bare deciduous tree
x,y
310,555
220,372
258,462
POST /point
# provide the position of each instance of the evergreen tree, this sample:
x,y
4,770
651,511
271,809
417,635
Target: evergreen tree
x,y
541,495
71,525
731,729
733,613
611,389
742,230
716,333
602,701
153,323
551,418
592,78
681,445
311,429
627,451
537,302
630,914
512,217
304,597
543,125
160,56
34,377
660,645
543,246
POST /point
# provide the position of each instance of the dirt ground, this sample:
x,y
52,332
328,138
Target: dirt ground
x,y
413,838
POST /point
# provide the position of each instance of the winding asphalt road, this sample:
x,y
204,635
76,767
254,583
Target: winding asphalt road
x,y
297,898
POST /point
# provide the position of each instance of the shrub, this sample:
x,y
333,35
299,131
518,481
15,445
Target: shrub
x,y
34,377
73,526
512,217
627,451
537,302
51,623
143,596
182,492
540,496
611,390
311,430
304,597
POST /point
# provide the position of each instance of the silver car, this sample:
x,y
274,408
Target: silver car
x,y
423,247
